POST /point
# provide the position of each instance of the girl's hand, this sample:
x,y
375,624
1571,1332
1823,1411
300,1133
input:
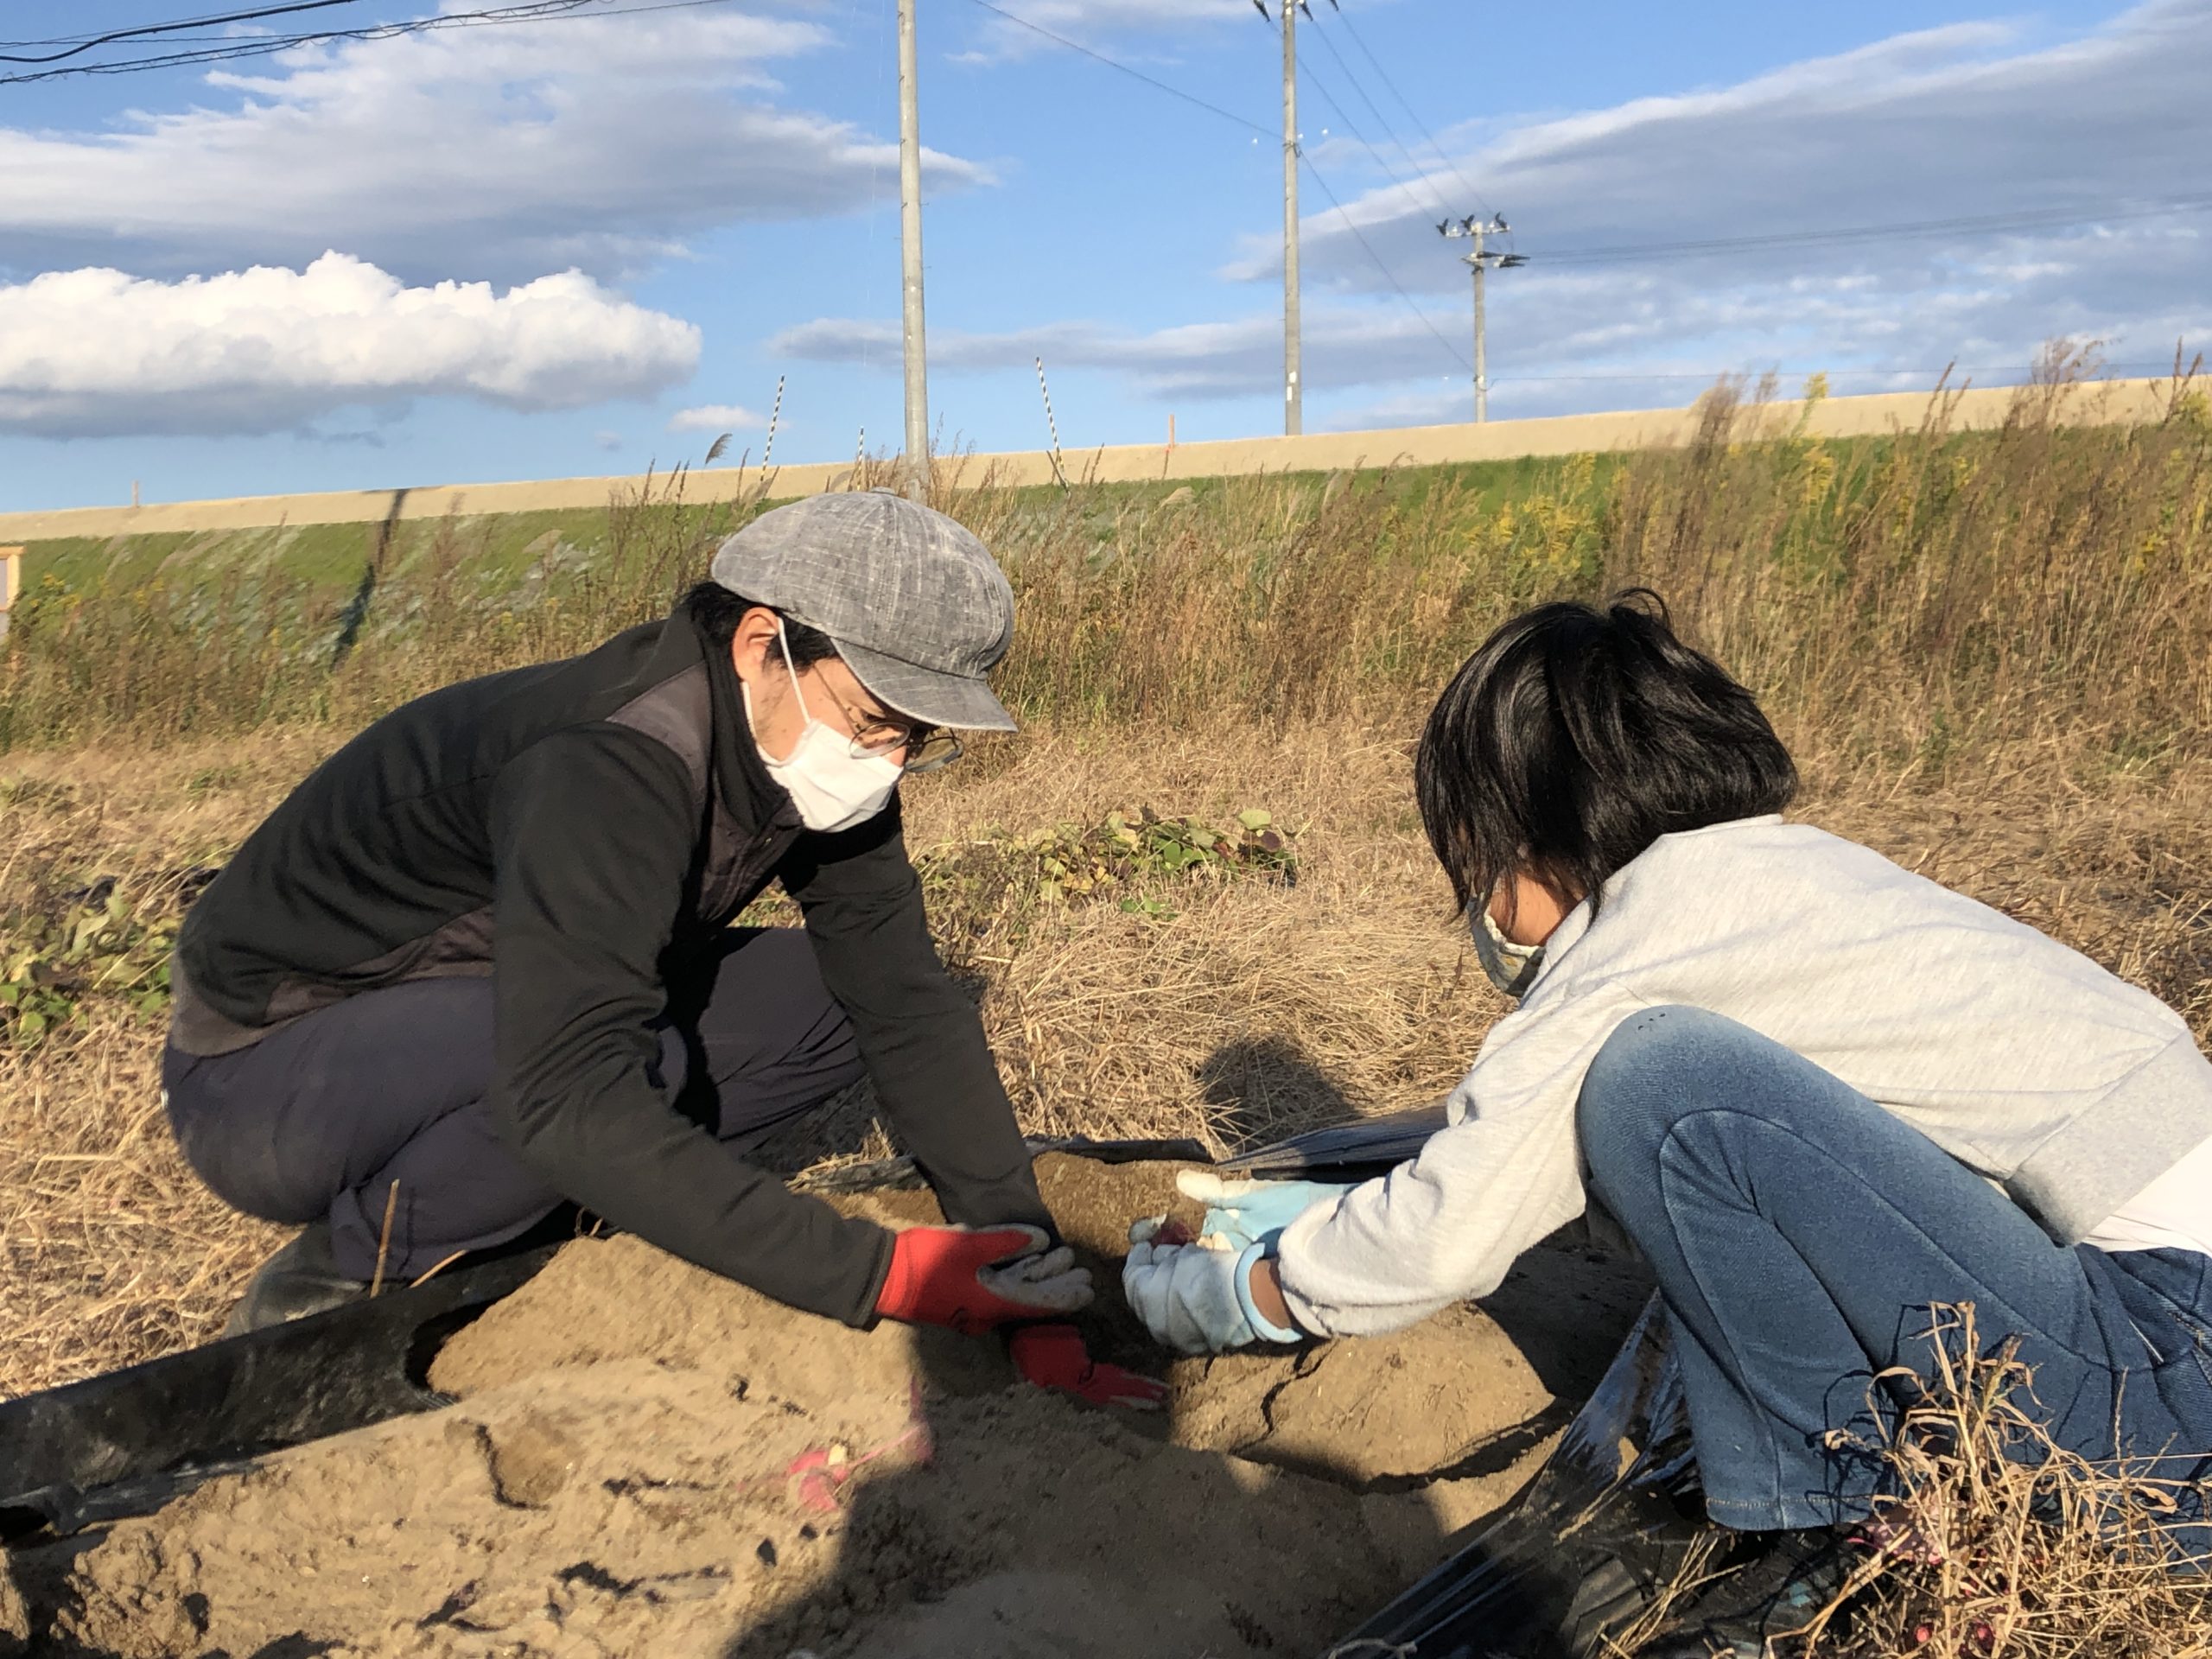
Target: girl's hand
x,y
1253,1212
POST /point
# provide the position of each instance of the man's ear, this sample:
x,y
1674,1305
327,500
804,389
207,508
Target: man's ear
x,y
752,644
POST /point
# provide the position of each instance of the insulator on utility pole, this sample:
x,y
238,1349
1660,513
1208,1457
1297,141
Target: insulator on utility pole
x,y
1480,262
910,259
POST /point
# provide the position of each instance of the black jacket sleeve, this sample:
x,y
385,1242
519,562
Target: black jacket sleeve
x,y
922,1040
592,831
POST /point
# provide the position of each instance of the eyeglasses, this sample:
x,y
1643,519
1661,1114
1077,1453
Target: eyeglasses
x,y
927,746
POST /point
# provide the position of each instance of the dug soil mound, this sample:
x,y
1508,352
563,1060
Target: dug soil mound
x,y
645,1459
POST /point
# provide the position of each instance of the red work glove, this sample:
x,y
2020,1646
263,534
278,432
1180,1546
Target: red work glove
x,y
1053,1356
972,1280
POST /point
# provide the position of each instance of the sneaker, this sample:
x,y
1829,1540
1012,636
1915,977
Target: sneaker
x,y
301,1278
1783,1582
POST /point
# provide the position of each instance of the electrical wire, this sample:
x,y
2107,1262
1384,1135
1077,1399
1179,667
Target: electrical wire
x,y
1345,120
77,44
2049,218
1123,68
524,11
1420,171
1388,275
1458,356
1252,126
1360,40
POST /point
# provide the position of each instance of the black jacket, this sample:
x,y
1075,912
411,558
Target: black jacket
x,y
591,826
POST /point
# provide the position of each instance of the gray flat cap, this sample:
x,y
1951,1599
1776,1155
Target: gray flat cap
x,y
919,610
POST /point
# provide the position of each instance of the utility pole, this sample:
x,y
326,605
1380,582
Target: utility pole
x,y
1480,262
1293,392
910,259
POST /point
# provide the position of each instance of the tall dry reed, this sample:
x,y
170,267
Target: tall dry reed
x,y
1897,597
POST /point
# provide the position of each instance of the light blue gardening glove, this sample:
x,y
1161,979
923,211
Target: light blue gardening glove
x,y
1253,1212
1196,1300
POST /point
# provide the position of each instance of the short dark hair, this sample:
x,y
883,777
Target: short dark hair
x,y
718,611
1577,736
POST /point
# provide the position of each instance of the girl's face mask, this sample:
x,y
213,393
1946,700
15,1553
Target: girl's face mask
x,y
833,788
1512,967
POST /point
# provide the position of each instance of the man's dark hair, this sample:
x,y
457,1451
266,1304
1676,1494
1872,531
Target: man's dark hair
x,y
718,611
1577,736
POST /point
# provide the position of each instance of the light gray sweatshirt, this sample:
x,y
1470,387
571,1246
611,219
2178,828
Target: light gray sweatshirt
x,y
2071,1089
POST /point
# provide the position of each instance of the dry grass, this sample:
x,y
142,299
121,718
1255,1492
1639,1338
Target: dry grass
x,y
1997,1544
1907,599
1258,1008
2003,1543
113,1251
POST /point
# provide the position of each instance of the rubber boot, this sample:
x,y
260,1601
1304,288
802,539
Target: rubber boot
x,y
301,1278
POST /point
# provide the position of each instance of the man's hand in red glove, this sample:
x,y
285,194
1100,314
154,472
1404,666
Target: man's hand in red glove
x,y
975,1280
1053,1356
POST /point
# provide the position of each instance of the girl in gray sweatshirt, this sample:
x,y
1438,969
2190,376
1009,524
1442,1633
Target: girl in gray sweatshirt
x,y
1822,1094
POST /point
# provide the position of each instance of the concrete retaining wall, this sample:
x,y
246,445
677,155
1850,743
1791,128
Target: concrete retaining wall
x,y
2109,401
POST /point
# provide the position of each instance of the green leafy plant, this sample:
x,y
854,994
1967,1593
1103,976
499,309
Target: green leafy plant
x,y
1075,862
1128,857
96,945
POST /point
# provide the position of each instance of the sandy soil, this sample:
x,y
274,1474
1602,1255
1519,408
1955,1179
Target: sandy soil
x,y
645,1459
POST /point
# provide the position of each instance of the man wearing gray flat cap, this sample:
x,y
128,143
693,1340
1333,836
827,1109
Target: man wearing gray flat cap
x,y
481,961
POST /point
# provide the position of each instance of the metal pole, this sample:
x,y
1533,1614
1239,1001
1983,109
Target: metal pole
x,y
1482,378
1292,393
910,256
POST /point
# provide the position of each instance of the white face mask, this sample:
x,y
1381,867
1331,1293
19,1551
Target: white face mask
x,y
833,788
1512,967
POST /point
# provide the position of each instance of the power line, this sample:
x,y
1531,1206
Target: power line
x,y
525,11
77,44
2051,218
1389,171
1420,171
1388,276
1360,41
1123,68
1249,126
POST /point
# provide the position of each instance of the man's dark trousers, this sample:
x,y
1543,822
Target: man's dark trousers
x,y
320,1118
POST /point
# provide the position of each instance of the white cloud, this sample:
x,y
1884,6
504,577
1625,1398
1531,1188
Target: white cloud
x,y
601,144
716,418
96,352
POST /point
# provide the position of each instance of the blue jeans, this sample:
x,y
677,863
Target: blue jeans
x,y
1800,1233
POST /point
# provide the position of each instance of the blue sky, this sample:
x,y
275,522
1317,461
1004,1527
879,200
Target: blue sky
x,y
575,246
